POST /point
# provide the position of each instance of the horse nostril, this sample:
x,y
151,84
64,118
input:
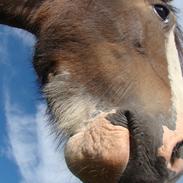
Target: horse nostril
x,y
176,153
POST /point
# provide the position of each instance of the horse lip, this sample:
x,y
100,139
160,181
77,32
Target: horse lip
x,y
146,165
125,119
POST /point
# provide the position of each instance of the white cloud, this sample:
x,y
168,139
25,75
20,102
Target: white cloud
x,y
26,37
3,47
33,147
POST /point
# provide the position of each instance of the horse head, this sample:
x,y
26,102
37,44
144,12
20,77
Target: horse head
x,y
111,74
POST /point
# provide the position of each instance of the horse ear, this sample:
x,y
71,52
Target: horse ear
x,y
20,14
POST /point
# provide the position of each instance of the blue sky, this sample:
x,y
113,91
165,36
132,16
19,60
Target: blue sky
x,y
27,150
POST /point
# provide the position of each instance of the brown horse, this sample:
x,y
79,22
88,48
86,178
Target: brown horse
x,y
110,71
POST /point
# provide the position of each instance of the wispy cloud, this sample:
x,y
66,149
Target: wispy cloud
x,y
33,148
24,36
3,47
27,39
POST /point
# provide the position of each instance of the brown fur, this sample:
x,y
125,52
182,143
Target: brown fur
x,y
104,55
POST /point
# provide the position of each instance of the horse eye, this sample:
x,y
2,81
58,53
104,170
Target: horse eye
x,y
162,11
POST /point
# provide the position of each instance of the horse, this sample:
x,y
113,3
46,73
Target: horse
x,y
110,71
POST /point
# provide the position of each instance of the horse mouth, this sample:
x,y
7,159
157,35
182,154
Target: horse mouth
x,y
100,152
116,147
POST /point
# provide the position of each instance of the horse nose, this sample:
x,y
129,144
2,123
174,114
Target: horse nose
x,y
172,149
155,150
168,141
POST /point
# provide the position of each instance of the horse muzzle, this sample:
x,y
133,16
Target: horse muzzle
x,y
125,147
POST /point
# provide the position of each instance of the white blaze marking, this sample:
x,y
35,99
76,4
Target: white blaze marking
x,y
175,75
171,137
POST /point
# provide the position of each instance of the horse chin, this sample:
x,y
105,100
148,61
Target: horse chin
x,y
99,152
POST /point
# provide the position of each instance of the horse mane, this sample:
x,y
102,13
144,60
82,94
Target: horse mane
x,y
179,43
